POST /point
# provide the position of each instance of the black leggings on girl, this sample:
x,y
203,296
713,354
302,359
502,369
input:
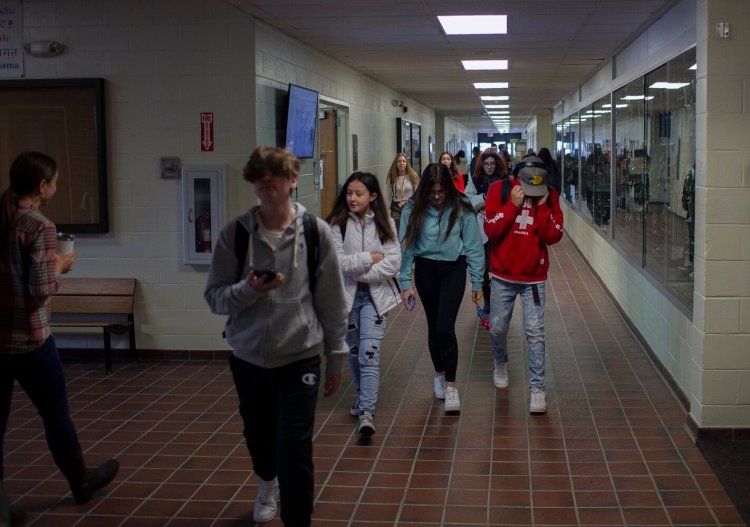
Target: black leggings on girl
x,y
441,286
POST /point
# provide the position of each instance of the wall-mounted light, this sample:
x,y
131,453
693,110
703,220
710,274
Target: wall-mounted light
x,y
43,49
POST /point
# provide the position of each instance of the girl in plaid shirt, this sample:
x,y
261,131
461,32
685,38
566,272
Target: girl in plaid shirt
x,y
29,267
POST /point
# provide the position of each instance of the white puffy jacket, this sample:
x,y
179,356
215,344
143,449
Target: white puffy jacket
x,y
357,266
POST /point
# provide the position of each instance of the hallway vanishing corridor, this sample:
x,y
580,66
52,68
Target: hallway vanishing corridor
x,y
612,450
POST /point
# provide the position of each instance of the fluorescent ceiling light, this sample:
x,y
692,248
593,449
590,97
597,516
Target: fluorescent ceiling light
x,y
498,106
498,112
485,64
616,106
474,24
693,67
490,85
668,85
494,97
636,98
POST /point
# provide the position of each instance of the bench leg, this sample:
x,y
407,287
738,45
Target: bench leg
x,y
107,351
131,334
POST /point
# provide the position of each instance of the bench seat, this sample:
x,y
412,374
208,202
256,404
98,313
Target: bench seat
x,y
105,303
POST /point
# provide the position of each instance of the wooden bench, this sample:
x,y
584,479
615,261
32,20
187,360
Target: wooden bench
x,y
105,303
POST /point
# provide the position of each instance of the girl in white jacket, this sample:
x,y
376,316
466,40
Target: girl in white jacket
x,y
364,236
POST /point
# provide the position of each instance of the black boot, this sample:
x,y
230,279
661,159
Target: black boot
x,y
17,517
85,481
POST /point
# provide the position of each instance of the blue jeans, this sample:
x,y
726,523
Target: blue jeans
x,y
277,406
501,303
364,337
40,374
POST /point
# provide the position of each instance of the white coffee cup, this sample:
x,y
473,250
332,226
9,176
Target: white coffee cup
x,y
65,243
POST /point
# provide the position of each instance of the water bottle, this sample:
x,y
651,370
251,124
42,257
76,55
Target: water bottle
x,y
484,318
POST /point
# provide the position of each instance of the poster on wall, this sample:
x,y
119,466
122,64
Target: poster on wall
x,y
11,39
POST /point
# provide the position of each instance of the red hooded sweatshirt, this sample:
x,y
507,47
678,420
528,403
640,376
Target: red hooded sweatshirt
x,y
519,236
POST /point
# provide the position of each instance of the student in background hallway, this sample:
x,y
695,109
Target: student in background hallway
x,y
440,238
474,155
553,172
490,168
29,268
446,158
370,256
277,322
462,165
520,225
402,180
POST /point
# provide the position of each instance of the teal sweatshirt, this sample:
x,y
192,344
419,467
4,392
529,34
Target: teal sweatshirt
x,y
464,239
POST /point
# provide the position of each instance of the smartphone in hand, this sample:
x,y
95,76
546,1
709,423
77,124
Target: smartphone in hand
x,y
410,303
265,274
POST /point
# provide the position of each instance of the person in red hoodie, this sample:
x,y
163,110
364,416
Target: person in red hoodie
x,y
522,217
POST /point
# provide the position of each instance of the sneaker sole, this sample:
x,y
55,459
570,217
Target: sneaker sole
x,y
538,412
500,386
367,431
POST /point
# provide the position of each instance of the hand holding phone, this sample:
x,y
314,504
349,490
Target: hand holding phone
x,y
410,303
265,274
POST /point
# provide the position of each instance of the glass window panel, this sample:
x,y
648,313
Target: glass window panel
x,y
596,132
630,152
670,129
570,158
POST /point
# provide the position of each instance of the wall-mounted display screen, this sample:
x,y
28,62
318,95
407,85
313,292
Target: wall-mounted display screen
x,y
302,116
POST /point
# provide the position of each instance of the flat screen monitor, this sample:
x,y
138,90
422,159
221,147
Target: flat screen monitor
x,y
302,116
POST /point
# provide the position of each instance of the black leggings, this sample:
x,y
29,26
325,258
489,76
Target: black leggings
x,y
441,287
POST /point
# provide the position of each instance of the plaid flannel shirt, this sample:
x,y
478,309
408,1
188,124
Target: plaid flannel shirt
x,y
27,280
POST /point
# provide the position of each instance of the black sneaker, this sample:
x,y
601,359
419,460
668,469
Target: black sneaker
x,y
366,424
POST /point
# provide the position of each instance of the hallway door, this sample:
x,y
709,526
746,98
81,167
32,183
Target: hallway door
x,y
329,155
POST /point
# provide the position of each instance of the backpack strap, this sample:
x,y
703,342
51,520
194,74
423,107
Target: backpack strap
x,y
312,240
241,240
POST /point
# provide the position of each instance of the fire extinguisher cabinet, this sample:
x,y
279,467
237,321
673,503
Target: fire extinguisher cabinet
x,y
204,211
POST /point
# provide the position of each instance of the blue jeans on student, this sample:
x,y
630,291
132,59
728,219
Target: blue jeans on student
x,y
40,374
502,301
277,406
364,337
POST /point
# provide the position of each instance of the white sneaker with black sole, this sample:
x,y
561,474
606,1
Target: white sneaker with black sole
x,y
354,410
266,502
366,426
452,402
538,404
500,375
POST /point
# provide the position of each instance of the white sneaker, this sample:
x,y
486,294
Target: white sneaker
x,y
500,375
266,502
354,410
452,402
438,384
538,401
366,424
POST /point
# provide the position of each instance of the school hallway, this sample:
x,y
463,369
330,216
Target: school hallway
x,y
613,449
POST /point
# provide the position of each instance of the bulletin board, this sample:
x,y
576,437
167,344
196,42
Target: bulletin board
x,y
64,119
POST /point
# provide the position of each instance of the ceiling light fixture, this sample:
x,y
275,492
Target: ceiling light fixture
x,y
490,85
636,98
668,85
693,67
497,106
474,24
494,97
485,64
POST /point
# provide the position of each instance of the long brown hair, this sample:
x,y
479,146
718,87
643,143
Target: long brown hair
x,y
392,176
340,213
453,169
434,174
27,172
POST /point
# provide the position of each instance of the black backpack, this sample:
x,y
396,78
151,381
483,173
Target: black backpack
x,y
312,239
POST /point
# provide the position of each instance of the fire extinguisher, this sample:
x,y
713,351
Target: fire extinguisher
x,y
203,231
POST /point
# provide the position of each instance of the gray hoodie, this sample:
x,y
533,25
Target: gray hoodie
x,y
286,324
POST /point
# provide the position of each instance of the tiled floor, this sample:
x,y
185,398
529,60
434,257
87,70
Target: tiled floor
x,y
612,450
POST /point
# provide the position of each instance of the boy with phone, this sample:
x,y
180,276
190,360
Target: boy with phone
x,y
277,323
